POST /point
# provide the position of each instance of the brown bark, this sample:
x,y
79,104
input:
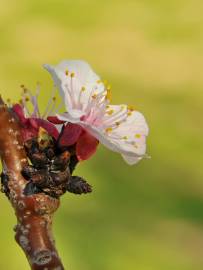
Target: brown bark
x,y
34,213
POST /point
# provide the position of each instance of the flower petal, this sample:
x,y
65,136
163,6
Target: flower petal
x,y
70,134
127,138
86,146
33,123
118,127
77,83
17,108
129,133
131,160
73,118
55,120
28,133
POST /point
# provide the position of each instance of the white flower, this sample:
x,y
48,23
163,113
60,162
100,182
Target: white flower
x,y
87,99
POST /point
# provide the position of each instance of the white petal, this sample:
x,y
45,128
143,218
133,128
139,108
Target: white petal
x,y
59,127
128,136
131,160
116,143
74,117
77,90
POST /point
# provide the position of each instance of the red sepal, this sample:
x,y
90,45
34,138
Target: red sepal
x,y
70,134
86,146
55,120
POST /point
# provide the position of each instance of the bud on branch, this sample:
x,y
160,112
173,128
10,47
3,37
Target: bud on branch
x,y
35,212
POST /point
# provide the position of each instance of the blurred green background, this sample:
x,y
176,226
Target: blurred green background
x,y
145,217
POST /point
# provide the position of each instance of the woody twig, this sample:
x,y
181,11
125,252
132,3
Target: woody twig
x,y
35,212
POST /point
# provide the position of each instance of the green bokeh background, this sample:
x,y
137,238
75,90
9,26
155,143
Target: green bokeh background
x,y
145,217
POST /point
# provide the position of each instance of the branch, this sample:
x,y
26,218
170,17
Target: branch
x,y
35,212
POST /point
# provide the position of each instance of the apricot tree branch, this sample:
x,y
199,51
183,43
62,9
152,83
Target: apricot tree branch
x,y
35,212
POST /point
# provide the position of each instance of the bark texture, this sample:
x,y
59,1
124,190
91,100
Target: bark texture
x,y
35,212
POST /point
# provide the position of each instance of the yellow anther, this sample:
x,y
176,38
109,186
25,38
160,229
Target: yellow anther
x,y
43,138
20,101
27,99
54,98
99,81
110,112
108,95
109,129
131,108
137,136
67,72
25,90
8,100
83,89
105,82
94,95
107,106
42,131
125,138
117,124
108,87
22,86
72,74
129,113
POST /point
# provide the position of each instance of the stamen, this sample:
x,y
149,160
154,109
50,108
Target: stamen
x,y
35,101
27,96
124,137
131,108
53,106
99,104
110,112
60,106
137,136
49,105
25,108
67,72
83,89
105,82
118,116
20,101
72,74
25,90
72,93
117,124
129,113
109,129
108,94
94,95
9,102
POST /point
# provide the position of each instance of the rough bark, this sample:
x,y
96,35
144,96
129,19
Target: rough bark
x,y
34,213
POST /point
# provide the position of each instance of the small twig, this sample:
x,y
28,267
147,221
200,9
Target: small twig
x,y
35,212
